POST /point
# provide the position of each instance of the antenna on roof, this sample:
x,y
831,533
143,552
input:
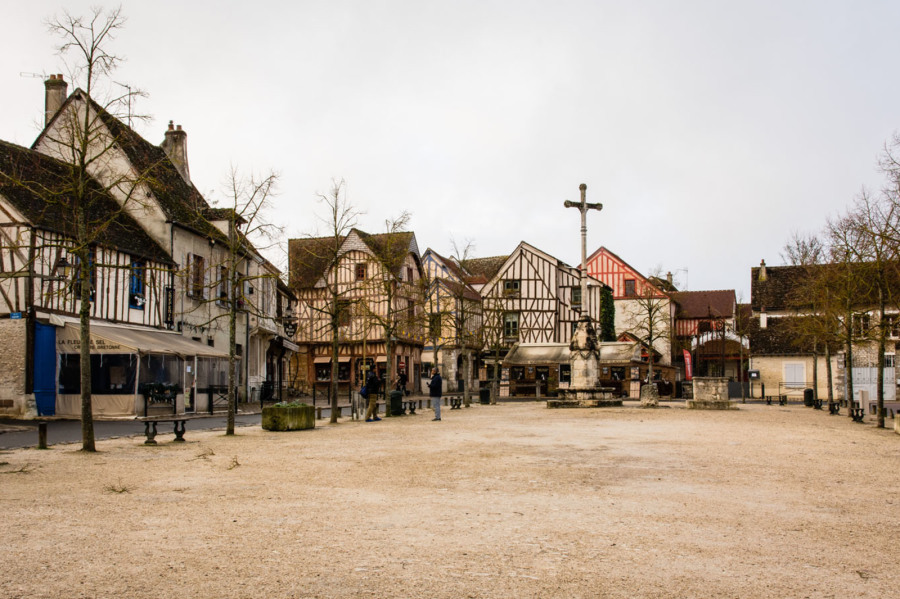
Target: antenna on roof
x,y
128,95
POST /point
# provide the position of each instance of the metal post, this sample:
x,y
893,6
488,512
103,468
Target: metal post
x,y
42,435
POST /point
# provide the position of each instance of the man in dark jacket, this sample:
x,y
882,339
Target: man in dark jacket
x,y
372,386
435,389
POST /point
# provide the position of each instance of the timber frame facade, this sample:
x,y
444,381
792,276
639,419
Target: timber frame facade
x,y
534,298
454,311
366,289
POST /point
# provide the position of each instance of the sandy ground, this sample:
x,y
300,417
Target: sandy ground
x,y
511,500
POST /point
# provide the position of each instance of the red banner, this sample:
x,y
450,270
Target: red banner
x,y
688,369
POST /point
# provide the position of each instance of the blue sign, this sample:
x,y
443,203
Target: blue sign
x,y
16,315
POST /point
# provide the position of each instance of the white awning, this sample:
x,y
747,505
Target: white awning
x,y
107,339
544,353
327,359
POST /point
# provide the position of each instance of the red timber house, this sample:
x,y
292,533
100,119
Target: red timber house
x,y
366,289
530,308
631,291
704,327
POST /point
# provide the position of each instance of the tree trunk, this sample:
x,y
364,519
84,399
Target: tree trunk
x,y
815,370
84,316
467,391
849,366
828,374
388,364
879,401
333,386
232,352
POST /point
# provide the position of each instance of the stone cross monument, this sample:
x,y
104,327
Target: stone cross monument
x,y
584,358
583,207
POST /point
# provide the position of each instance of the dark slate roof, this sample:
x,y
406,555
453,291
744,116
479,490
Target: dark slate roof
x,y
778,338
780,288
37,186
484,267
179,200
308,258
705,304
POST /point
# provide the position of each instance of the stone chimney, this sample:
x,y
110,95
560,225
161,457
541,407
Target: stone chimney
x,y
669,277
54,96
763,276
175,146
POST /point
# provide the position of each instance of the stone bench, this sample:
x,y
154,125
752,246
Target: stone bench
x,y
179,420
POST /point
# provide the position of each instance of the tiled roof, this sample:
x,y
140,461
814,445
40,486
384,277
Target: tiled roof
x,y
179,200
390,248
705,304
37,186
460,290
308,259
484,267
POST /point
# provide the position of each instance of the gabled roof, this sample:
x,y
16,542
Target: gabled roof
x,y
604,250
178,199
705,304
390,248
484,268
36,185
309,258
460,290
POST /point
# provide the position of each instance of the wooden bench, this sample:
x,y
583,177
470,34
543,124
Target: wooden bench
x,y
150,422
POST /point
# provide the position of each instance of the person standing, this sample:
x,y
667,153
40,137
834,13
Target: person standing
x,y
435,389
372,386
401,382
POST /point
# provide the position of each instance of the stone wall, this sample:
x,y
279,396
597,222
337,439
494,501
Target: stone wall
x,y
771,372
12,367
711,388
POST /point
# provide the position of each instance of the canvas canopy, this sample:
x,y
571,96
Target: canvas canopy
x,y
119,340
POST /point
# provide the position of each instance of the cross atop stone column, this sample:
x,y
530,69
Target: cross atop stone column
x,y
583,206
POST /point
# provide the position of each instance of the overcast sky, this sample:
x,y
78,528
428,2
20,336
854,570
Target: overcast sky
x,y
708,130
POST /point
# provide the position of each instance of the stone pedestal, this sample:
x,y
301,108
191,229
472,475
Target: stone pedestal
x,y
649,396
710,393
584,389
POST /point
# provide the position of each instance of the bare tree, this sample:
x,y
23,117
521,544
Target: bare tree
x,y
82,136
650,321
390,292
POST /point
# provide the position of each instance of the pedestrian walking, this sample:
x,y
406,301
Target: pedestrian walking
x,y
435,389
372,386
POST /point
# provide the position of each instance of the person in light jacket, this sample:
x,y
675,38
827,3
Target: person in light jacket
x,y
435,388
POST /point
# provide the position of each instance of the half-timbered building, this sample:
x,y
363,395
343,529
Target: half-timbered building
x,y
453,307
533,298
365,289
187,292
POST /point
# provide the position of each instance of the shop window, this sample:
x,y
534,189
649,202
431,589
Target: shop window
x,y
517,373
323,372
565,373
111,374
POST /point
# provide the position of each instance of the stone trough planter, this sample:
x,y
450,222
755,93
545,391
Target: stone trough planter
x,y
288,417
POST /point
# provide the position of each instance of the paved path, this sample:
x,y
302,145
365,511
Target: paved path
x,y
23,433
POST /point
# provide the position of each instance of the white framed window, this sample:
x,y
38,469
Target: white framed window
x,y
794,374
888,360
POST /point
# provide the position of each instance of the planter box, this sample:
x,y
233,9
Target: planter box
x,y
288,418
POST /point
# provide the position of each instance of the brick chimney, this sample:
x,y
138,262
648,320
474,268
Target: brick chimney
x,y
175,146
54,96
